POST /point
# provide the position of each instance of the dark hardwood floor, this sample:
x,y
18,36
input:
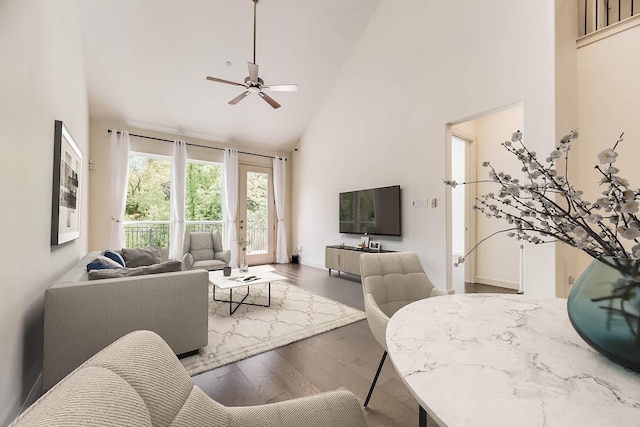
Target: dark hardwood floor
x,y
344,358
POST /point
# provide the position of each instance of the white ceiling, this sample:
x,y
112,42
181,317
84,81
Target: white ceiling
x,y
147,62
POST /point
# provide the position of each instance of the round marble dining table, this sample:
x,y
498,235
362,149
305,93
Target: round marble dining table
x,y
507,360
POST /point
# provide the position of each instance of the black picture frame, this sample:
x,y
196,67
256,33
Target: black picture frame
x,y
67,179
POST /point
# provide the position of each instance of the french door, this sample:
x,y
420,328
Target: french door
x,y
256,213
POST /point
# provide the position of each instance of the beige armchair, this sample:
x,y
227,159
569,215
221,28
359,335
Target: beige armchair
x,y
390,281
203,249
138,381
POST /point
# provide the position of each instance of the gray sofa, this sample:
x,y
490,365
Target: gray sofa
x,y
137,381
83,316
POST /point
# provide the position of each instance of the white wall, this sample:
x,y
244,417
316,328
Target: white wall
x,y
566,106
497,259
608,94
419,65
41,80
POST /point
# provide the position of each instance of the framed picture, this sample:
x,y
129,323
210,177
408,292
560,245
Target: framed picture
x,y
67,176
374,246
364,241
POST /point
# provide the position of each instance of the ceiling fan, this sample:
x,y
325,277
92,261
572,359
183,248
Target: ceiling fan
x,y
253,83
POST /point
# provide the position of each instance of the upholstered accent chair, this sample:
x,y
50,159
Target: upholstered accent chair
x,y
390,281
203,249
137,381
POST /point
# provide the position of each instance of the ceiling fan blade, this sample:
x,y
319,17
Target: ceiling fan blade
x,y
239,98
253,71
215,79
281,88
269,100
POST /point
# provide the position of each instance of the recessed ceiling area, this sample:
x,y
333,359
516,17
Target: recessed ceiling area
x,y
146,63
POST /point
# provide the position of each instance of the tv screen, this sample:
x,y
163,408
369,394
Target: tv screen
x,y
372,211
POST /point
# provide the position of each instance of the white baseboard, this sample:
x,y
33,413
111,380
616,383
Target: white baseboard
x,y
495,282
313,264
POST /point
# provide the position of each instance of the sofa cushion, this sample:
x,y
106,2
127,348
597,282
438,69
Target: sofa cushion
x,y
115,256
209,264
201,246
164,267
141,256
91,396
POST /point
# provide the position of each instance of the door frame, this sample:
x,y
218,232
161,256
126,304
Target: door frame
x,y
470,200
470,235
269,256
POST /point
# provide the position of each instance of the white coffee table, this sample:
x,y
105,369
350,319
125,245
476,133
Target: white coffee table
x,y
255,276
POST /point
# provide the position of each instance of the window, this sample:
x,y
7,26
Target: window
x,y
148,209
203,204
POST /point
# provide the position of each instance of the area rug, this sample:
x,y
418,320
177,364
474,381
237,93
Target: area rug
x,y
294,314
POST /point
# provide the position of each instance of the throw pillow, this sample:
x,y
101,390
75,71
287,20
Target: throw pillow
x,y
114,256
96,264
164,267
105,260
139,257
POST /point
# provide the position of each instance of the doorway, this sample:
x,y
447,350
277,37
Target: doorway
x,y
462,197
256,213
496,261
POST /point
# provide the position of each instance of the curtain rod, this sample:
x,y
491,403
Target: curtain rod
x,y
198,145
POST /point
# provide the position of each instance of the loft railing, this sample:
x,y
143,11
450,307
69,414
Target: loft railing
x,y
595,15
140,234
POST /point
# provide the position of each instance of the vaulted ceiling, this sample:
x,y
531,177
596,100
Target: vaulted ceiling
x,y
147,62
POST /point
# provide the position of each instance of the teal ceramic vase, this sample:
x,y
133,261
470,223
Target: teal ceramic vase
x,y
604,308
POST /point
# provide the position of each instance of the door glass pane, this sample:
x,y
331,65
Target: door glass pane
x,y
257,213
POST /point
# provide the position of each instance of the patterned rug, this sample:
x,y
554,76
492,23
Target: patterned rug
x,y
294,314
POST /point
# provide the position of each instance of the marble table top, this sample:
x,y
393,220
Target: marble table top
x,y
507,360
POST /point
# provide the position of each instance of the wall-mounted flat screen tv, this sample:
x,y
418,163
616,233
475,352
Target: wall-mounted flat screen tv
x,y
373,211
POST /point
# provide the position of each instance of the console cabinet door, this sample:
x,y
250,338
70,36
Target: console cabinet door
x,y
350,262
342,260
332,258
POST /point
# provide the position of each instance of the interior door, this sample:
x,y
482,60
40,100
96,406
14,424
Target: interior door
x,y
256,213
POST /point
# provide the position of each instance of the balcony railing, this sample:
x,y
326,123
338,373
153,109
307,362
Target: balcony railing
x,y
595,15
257,238
139,234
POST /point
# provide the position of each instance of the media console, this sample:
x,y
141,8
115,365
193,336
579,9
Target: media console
x,y
345,258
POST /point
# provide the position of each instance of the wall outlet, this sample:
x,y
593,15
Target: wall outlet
x,y
420,203
434,202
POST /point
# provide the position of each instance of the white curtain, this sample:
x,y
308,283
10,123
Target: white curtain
x,y
279,189
231,203
178,190
119,147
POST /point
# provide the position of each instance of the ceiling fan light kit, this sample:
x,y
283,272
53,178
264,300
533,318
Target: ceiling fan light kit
x,y
253,83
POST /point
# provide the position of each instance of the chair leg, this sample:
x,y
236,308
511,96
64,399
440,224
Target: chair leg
x,y
375,379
